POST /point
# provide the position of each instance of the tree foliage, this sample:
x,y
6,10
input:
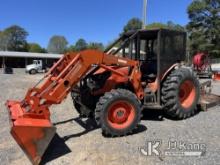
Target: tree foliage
x,y
133,24
81,44
57,44
35,48
13,38
4,41
204,26
71,48
95,45
169,25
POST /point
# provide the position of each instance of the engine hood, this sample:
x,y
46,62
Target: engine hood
x,y
31,66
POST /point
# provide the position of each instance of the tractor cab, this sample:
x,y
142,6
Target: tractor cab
x,y
157,50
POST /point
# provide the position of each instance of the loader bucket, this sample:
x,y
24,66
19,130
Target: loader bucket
x,y
32,134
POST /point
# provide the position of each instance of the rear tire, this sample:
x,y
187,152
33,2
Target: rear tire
x,y
180,93
118,112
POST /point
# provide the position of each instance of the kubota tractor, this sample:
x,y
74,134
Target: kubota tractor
x,y
141,70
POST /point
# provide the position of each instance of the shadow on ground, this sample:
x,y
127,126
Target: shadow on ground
x,y
140,128
88,125
153,114
58,148
160,114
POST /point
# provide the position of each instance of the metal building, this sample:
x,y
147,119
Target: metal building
x,y
21,59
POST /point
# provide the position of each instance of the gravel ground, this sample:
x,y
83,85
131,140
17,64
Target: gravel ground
x,y
80,142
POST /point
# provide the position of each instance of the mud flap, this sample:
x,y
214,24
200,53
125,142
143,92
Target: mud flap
x,y
32,134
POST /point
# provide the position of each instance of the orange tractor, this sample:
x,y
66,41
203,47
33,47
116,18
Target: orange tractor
x,y
141,70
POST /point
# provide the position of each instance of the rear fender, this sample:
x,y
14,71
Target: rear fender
x,y
164,76
154,85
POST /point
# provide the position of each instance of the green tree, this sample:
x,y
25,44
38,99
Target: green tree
x,y
133,24
13,38
36,48
155,25
71,48
169,25
4,40
96,45
173,26
81,44
57,44
204,26
44,50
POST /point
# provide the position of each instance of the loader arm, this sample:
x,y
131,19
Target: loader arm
x,y
68,71
30,118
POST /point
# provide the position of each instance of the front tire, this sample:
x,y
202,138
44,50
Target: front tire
x,y
33,71
118,112
180,93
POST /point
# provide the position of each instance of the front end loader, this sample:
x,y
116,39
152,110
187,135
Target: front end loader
x,y
142,70
30,118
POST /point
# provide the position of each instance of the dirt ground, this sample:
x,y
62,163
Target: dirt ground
x,y
81,142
